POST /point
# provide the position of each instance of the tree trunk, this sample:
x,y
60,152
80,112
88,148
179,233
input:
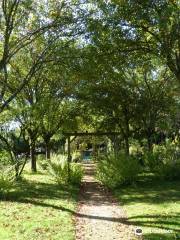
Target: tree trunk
x,y
127,134
116,144
16,171
127,144
149,140
48,151
33,157
149,143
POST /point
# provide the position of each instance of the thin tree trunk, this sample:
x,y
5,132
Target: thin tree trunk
x,y
116,145
149,143
48,151
149,139
127,145
126,135
22,168
33,157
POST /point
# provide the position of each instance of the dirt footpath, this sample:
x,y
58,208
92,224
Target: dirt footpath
x,y
99,216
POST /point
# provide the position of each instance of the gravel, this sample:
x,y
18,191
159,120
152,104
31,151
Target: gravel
x,y
99,215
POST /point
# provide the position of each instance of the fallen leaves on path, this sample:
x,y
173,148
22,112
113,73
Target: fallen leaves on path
x,y
99,216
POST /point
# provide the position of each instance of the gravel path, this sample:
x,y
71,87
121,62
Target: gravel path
x,y
99,216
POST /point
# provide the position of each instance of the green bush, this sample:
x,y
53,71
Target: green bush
x,y
164,161
169,165
115,170
169,171
76,156
76,173
152,160
5,158
58,168
6,181
42,162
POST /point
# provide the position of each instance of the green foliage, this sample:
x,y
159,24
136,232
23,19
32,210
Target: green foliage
x,y
4,157
76,156
5,186
169,167
151,160
6,181
42,162
164,160
44,165
58,169
76,173
169,170
115,170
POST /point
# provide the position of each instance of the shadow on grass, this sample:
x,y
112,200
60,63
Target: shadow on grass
x,y
40,190
171,223
36,193
150,190
160,236
158,195
157,222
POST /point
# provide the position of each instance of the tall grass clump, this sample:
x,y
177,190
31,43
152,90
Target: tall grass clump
x,y
115,170
58,169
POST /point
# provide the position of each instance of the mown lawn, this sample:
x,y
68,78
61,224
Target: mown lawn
x,y
154,206
37,209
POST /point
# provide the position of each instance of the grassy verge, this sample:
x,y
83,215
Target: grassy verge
x,y
38,209
154,206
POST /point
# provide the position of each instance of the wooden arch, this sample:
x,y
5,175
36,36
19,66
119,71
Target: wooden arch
x,y
68,135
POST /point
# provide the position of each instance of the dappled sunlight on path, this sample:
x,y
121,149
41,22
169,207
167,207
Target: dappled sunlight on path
x,y
99,216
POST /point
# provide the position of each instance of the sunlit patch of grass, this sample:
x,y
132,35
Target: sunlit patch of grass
x,y
154,206
36,208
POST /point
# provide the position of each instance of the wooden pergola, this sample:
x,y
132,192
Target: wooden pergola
x,y
68,135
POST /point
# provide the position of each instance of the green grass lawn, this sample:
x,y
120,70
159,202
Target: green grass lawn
x,y
154,206
37,209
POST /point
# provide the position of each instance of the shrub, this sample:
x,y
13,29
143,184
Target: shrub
x,y
5,157
6,181
169,166
43,164
169,171
76,156
58,168
164,161
115,170
76,173
152,159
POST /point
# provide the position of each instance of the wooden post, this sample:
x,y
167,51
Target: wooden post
x,y
69,157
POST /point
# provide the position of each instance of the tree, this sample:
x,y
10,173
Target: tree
x,y
107,90
132,96
139,27
23,24
154,102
